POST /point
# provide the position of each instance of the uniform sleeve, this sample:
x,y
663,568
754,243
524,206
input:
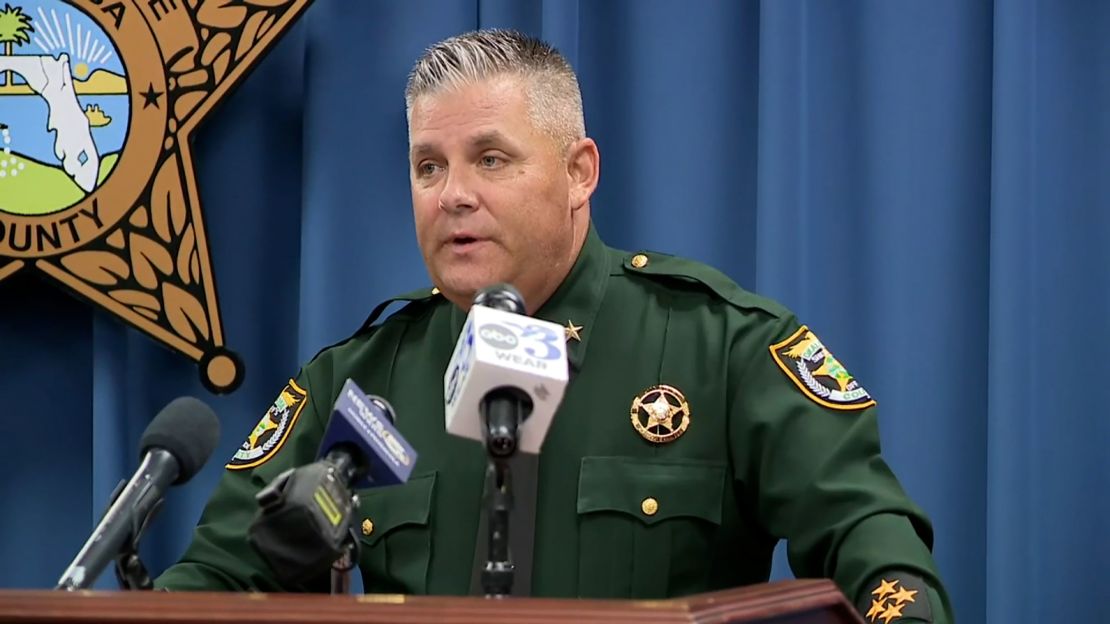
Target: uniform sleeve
x,y
219,557
808,457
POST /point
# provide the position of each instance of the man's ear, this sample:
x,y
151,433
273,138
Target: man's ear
x,y
583,168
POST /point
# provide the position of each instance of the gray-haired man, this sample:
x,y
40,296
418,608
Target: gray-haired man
x,y
744,428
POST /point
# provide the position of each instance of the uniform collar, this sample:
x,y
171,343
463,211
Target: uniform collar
x,y
579,297
577,300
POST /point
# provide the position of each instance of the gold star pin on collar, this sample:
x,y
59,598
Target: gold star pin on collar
x,y
571,331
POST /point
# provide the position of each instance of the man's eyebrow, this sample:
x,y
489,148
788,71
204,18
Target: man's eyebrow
x,y
485,139
420,149
479,141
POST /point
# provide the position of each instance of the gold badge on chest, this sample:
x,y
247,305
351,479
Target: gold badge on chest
x,y
661,414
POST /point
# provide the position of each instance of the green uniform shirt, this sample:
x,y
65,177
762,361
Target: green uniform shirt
x,y
780,443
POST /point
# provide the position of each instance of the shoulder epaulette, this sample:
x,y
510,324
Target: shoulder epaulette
x,y
652,263
416,296
423,294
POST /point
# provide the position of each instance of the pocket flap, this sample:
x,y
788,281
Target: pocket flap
x,y
387,508
678,488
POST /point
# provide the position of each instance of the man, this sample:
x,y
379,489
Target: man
x,y
744,429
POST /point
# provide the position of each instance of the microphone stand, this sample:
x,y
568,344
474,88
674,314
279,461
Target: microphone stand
x,y
503,409
341,569
497,576
131,573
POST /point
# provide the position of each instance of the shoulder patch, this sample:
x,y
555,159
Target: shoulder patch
x,y
818,374
271,432
892,597
653,263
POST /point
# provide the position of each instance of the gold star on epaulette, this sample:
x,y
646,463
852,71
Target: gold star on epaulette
x,y
877,608
890,600
884,588
571,331
903,595
892,611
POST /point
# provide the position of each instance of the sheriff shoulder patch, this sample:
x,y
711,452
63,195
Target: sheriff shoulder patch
x,y
891,598
270,432
818,374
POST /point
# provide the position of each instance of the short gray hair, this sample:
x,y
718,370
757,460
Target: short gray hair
x,y
555,101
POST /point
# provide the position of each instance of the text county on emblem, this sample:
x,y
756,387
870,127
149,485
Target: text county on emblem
x,y
98,102
661,414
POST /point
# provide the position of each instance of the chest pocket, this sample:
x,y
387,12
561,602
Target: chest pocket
x,y
396,536
646,526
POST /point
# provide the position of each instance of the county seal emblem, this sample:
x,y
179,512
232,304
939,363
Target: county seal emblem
x,y
98,102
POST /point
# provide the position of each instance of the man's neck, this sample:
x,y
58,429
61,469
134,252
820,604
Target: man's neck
x,y
581,230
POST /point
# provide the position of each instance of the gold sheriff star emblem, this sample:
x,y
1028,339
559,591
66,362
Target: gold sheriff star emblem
x,y
97,185
660,414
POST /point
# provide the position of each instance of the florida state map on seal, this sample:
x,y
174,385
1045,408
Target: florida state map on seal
x,y
99,100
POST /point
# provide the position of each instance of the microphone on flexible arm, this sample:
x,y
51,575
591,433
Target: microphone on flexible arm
x,y
303,527
502,387
174,447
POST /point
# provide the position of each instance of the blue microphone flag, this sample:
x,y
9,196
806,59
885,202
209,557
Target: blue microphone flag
x,y
366,422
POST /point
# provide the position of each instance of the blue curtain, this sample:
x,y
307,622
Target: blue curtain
x,y
924,182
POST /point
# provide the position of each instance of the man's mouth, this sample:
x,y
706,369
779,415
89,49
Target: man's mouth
x,y
464,242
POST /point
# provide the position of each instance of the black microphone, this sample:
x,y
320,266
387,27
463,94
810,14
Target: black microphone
x,y
504,297
173,448
303,525
504,408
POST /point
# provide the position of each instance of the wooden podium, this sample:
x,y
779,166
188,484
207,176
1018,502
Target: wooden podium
x,y
784,602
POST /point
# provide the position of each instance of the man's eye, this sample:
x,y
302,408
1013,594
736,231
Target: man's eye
x,y
427,169
490,161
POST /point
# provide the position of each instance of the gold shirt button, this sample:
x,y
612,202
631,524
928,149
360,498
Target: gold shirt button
x,y
649,506
367,527
639,261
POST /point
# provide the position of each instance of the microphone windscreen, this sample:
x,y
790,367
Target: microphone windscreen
x,y
502,297
186,428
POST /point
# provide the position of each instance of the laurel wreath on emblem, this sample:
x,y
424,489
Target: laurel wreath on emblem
x,y
283,424
810,381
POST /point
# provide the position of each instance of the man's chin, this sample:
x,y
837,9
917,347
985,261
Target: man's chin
x,y
464,287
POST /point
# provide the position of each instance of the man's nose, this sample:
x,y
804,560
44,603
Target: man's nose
x,y
458,192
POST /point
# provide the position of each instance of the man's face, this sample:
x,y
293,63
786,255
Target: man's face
x,y
490,192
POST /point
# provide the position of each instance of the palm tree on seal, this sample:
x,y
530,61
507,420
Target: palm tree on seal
x,y
14,28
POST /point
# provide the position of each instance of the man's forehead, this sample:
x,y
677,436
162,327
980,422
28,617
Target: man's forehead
x,y
475,114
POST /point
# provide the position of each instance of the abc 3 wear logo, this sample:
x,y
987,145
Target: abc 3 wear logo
x,y
99,100
498,336
538,341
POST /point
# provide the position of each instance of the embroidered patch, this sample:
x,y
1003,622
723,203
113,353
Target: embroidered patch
x,y
895,596
270,432
819,375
